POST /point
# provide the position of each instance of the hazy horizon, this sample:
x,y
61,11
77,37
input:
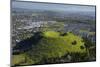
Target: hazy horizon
x,y
52,6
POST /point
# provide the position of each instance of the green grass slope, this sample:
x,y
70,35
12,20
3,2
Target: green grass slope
x,y
55,45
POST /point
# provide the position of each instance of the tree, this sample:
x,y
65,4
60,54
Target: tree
x,y
90,49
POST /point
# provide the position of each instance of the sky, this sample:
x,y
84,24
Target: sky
x,y
52,6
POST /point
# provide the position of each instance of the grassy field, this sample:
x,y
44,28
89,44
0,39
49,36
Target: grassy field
x,y
67,40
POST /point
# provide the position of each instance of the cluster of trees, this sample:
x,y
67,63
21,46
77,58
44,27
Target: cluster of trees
x,y
58,48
